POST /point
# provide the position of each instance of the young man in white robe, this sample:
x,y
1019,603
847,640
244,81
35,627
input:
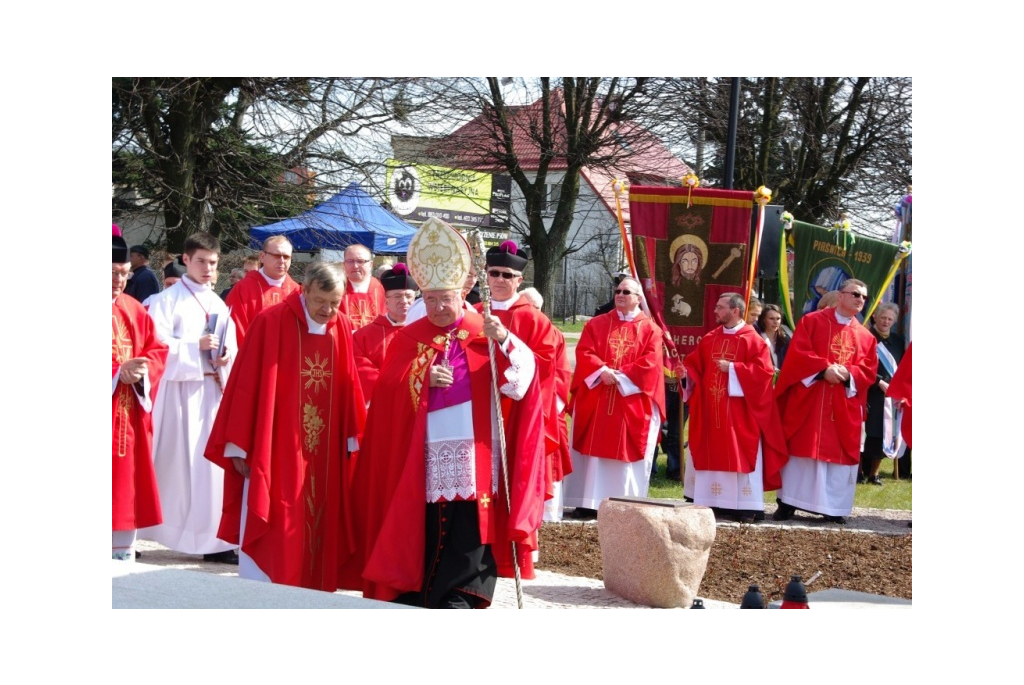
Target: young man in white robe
x,y
195,324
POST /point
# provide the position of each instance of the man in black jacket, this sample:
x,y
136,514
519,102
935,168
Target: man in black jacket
x,y
143,282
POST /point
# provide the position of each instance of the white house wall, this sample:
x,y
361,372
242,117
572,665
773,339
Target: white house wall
x,y
595,230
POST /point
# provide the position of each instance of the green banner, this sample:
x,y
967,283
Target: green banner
x,y
823,258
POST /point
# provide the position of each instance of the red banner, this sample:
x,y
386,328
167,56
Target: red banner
x,y
690,246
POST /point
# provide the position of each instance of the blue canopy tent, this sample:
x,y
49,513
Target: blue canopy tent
x,y
348,218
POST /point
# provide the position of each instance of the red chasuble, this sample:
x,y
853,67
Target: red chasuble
x,y
362,308
562,466
391,473
820,422
136,500
252,295
371,345
605,423
292,402
724,430
899,389
537,333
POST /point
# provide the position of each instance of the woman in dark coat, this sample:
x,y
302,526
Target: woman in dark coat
x,y
871,457
769,325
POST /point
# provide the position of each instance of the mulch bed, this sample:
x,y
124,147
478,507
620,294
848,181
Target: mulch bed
x,y
767,556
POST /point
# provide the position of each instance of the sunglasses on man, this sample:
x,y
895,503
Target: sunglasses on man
x,y
507,275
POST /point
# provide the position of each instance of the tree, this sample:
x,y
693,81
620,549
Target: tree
x,y
560,128
211,153
823,145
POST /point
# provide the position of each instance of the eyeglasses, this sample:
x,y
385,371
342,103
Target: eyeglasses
x,y
859,296
276,254
624,292
357,262
507,275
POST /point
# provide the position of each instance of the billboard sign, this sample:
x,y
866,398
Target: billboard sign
x,y
460,197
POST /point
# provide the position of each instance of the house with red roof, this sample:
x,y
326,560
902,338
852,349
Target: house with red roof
x,y
630,154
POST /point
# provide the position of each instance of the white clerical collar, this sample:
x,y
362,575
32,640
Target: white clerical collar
x,y
628,316
270,280
392,321
315,327
732,331
193,285
503,306
363,287
843,319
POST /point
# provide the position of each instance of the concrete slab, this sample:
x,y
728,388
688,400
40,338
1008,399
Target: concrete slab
x,y
834,598
143,586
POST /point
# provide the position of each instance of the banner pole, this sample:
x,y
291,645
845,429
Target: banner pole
x,y
904,250
762,196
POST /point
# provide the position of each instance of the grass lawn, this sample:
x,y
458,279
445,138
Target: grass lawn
x,y
569,326
895,494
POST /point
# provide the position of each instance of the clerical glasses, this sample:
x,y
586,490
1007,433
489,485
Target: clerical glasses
x,y
507,275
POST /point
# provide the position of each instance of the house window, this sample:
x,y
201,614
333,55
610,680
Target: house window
x,y
552,191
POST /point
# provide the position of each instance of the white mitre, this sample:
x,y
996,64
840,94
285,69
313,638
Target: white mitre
x,y
439,257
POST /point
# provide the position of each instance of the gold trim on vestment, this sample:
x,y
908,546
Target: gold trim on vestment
x,y
418,372
121,348
317,429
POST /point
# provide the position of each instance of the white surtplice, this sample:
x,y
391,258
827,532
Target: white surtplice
x,y
191,487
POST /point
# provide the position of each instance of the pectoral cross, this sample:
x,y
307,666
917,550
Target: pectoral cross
x,y
620,342
445,363
724,349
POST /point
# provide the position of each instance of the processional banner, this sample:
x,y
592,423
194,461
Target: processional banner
x,y
690,246
823,258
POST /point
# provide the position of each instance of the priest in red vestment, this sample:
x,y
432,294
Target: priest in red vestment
x,y
138,359
736,442
822,395
290,419
371,342
505,265
438,522
617,406
364,295
262,288
899,389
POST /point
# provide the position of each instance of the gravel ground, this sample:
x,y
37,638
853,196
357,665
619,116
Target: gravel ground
x,y
551,590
